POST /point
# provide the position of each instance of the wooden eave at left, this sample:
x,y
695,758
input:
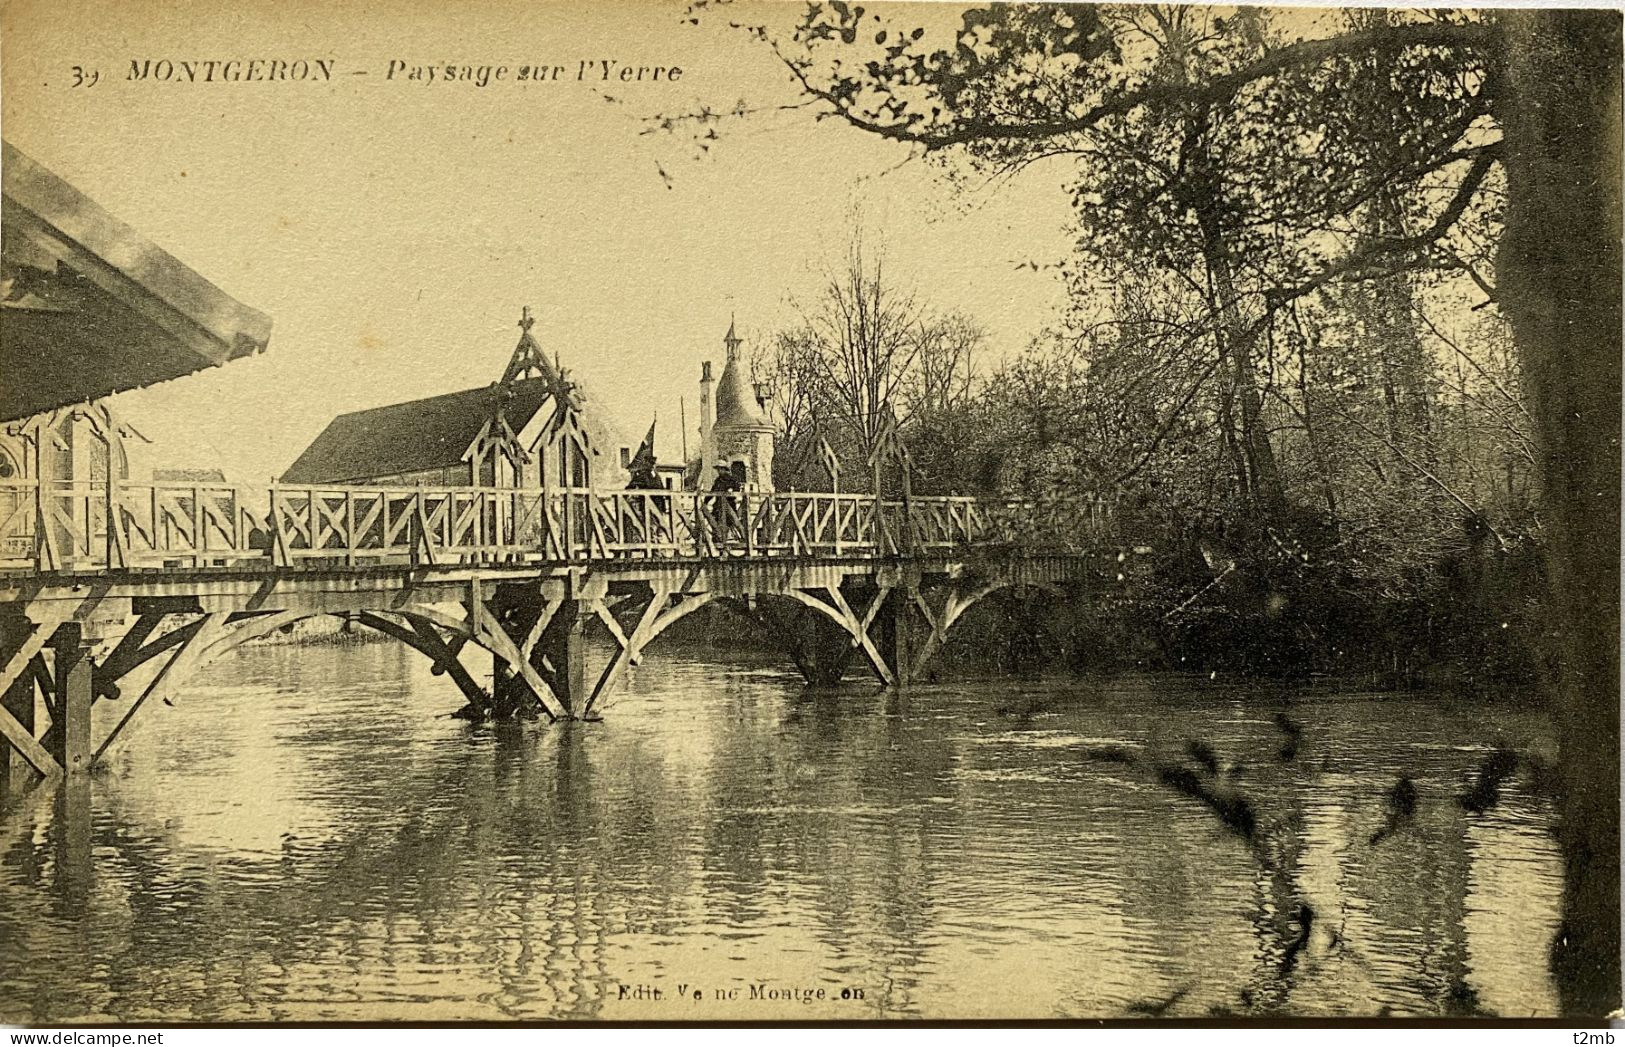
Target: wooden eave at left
x,y
92,308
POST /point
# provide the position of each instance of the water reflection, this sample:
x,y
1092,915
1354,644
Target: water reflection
x,y
309,837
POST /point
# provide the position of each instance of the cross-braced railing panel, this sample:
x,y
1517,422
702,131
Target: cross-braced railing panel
x,y
76,527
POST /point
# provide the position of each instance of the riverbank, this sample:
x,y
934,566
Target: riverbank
x,y
1030,634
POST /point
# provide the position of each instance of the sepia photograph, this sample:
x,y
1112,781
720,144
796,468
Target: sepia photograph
x,y
808,511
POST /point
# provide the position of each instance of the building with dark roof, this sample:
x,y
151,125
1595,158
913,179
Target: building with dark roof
x,y
532,428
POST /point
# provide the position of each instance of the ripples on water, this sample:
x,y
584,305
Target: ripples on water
x,y
309,838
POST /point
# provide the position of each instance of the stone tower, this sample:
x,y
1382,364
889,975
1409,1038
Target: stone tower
x,y
740,432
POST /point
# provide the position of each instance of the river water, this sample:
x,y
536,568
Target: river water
x,y
307,836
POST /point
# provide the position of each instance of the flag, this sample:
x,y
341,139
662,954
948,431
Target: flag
x,y
643,463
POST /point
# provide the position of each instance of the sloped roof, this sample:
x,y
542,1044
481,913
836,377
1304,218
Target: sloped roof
x,y
92,307
406,438
736,400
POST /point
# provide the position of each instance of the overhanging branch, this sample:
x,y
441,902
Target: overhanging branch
x,y
1379,40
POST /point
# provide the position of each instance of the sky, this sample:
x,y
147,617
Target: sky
x,y
393,229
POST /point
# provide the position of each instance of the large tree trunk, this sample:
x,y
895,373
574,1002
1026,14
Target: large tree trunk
x,y
1261,478
1560,283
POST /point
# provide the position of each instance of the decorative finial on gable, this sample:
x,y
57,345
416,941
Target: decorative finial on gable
x,y
527,359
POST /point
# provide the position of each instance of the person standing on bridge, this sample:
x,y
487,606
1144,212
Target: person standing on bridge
x,y
724,516
645,477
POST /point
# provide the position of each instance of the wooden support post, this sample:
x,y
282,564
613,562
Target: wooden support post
x,y
569,655
198,524
74,681
562,643
21,663
901,634
567,524
351,540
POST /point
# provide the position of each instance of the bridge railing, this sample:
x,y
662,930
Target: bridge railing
x,y
97,526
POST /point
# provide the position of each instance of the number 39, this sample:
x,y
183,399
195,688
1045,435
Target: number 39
x,y
83,78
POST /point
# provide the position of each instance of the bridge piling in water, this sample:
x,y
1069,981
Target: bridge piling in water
x,y
820,649
72,678
901,632
565,645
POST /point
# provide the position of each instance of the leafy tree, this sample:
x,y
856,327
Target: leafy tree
x,y
1267,167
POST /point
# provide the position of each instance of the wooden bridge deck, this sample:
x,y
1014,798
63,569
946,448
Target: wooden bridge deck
x,y
99,580
85,527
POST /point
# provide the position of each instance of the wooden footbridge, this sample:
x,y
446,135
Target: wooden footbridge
x,y
113,593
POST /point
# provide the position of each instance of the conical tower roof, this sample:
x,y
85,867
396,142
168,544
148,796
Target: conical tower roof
x,y
736,400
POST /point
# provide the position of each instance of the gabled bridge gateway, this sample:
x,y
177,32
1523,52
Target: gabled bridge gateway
x,y
98,580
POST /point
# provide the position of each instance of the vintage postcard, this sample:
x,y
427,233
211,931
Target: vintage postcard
x,y
802,511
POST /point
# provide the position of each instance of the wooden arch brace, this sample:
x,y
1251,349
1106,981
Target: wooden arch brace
x,y
834,606
658,615
959,600
954,605
422,633
195,644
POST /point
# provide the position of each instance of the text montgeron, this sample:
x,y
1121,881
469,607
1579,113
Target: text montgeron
x,y
231,70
